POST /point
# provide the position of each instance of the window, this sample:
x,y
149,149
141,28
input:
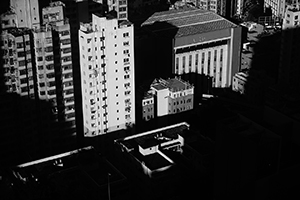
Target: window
x,y
70,91
126,34
50,75
48,40
48,49
126,43
20,45
123,15
126,69
66,32
177,63
126,60
49,58
50,66
51,92
67,67
126,51
183,63
196,59
287,21
40,58
127,92
24,80
215,56
122,2
190,61
66,50
42,93
296,17
208,63
20,54
122,9
66,41
221,55
40,67
22,72
67,58
126,76
126,85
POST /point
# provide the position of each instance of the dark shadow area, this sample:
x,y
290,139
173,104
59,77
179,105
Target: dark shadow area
x,y
140,11
270,99
153,51
30,128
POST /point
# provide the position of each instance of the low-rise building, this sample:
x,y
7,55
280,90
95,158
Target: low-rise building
x,y
146,149
81,173
167,97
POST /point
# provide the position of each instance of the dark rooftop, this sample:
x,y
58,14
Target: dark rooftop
x,y
155,161
82,171
188,21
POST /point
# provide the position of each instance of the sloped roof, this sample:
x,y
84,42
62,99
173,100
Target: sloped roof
x,y
187,21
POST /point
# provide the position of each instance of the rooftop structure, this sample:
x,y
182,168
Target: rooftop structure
x,y
173,84
146,148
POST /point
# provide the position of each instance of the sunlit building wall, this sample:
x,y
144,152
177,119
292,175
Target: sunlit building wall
x,y
107,75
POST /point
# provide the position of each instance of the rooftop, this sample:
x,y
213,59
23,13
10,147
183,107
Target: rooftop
x,y
188,21
155,161
154,138
139,146
82,170
174,84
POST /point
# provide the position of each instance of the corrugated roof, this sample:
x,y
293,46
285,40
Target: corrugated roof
x,y
173,84
188,21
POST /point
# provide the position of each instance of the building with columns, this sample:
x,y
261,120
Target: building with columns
x,y
107,75
202,42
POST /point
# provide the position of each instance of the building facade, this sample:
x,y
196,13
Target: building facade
x,y
288,74
204,43
148,106
54,63
27,12
291,17
17,57
107,75
277,7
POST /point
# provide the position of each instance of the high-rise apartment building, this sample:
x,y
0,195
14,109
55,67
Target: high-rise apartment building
x,y
54,62
38,71
27,12
107,75
17,51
